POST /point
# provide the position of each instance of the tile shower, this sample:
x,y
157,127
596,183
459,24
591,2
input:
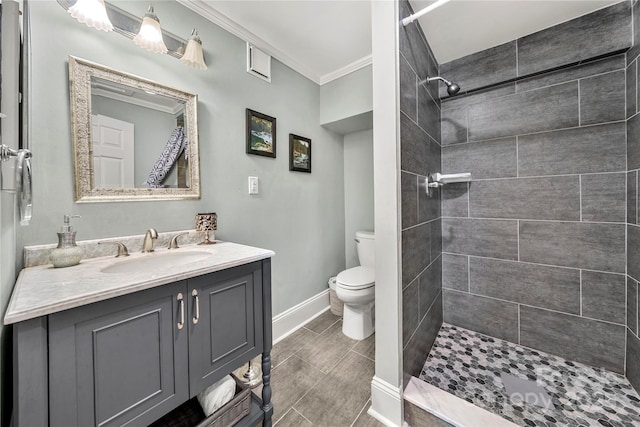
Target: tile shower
x,y
542,248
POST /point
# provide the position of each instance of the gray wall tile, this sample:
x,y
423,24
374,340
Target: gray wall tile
x,y
606,30
416,247
602,98
428,114
556,198
538,285
633,251
632,305
631,89
416,416
430,286
604,197
481,69
482,95
418,347
603,296
632,197
538,110
485,315
633,360
410,310
588,341
485,159
455,199
418,152
582,150
436,239
454,125
455,272
482,237
408,89
633,142
590,246
635,49
604,65
414,47
409,199
429,206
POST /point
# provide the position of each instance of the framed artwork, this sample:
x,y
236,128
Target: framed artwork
x,y
261,134
299,153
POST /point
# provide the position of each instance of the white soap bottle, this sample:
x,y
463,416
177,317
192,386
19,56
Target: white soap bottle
x,y
67,253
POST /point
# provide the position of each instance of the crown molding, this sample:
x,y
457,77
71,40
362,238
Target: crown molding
x,y
206,10
349,68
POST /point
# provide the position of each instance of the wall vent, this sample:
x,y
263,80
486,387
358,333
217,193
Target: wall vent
x,y
258,63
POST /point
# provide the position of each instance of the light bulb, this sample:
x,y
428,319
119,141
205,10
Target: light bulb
x,y
150,35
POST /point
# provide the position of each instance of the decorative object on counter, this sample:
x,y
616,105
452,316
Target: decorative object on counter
x,y
67,253
207,222
251,374
299,153
105,16
261,134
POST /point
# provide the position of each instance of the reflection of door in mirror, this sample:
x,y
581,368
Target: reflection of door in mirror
x,y
112,141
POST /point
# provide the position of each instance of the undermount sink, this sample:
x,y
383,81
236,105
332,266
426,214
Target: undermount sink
x,y
155,261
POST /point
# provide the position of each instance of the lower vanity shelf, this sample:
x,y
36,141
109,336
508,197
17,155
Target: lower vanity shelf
x,y
132,359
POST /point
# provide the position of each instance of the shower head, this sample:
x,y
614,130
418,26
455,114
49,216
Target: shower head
x,y
452,88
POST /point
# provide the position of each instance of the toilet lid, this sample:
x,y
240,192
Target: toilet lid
x,y
357,278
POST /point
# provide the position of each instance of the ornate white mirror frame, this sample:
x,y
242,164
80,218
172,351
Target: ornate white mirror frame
x,y
80,74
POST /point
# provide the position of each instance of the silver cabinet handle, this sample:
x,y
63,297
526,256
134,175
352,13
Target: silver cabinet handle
x,y
197,316
181,322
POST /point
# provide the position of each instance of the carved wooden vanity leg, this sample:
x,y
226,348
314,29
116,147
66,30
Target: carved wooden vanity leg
x,y
267,406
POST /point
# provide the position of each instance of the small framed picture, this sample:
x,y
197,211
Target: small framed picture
x,y
261,134
299,153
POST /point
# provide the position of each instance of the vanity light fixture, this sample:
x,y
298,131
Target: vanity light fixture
x,y
150,35
193,55
93,13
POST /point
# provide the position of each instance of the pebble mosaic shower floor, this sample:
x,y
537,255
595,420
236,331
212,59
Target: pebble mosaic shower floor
x,y
470,365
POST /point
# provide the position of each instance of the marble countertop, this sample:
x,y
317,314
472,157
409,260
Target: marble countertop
x,y
44,290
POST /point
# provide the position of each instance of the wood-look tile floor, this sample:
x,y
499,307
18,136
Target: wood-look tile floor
x,y
322,378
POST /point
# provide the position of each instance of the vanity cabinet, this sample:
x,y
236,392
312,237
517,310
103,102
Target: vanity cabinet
x,y
131,359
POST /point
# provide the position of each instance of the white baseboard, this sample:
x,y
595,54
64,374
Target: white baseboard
x,y
287,322
386,403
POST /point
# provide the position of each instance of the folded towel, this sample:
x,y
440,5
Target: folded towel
x,y
216,395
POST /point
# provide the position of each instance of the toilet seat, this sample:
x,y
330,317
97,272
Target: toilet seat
x,y
357,278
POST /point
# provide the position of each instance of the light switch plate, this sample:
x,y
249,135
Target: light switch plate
x,y
253,185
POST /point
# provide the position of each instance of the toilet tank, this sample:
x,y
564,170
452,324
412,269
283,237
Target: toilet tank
x,y
365,245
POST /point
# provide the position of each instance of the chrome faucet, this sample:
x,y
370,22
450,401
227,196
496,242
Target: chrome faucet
x,y
149,237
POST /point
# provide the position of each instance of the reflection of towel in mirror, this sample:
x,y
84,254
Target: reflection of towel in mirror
x,y
177,142
215,396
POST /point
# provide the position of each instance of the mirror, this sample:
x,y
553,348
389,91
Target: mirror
x,y
133,139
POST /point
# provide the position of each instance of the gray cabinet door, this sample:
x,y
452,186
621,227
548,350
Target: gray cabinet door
x,y
225,323
121,361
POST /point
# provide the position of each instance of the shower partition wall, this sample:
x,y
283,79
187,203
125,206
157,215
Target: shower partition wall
x,y
421,223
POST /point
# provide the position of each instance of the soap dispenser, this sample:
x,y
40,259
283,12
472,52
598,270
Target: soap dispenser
x,y
67,253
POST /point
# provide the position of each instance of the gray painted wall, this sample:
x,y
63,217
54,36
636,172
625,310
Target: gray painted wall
x,y
633,220
300,216
358,190
534,247
348,96
419,155
152,129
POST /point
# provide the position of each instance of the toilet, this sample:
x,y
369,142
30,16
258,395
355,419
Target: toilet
x,y
355,287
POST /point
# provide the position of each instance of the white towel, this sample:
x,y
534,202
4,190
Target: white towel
x,y
216,395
